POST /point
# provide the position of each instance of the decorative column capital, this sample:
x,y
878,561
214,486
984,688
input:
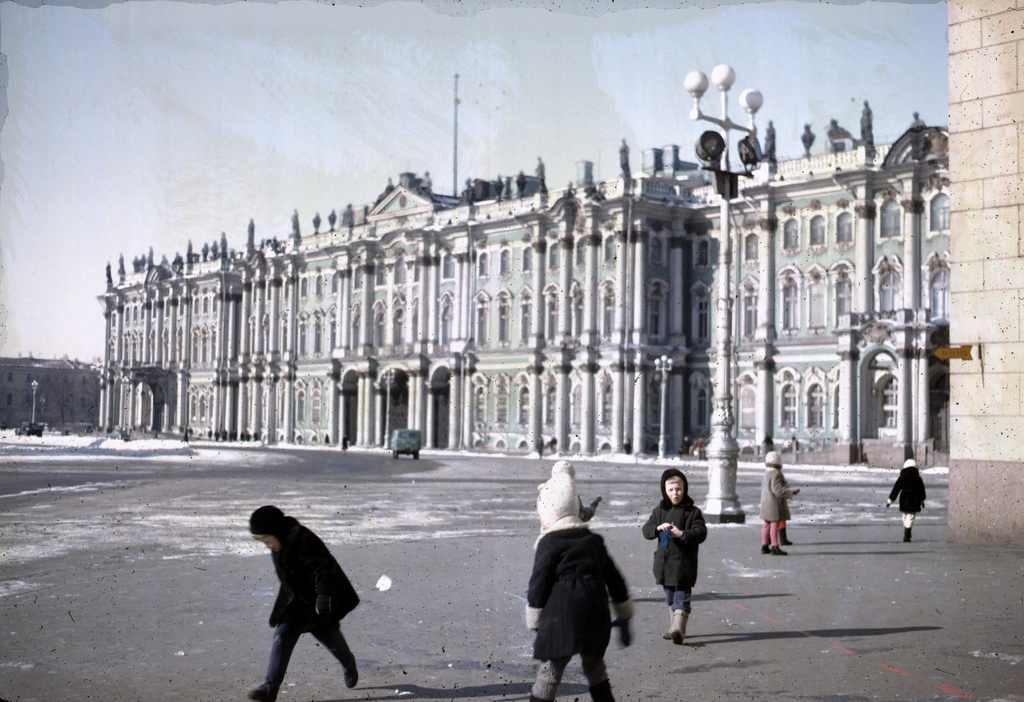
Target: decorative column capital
x,y
865,210
769,223
914,205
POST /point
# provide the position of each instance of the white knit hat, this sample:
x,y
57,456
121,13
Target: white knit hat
x,y
772,458
558,505
910,463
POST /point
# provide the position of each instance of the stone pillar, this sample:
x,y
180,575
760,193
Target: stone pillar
x,y
904,419
434,323
261,310
766,329
764,417
591,301
562,403
430,437
639,404
848,430
147,327
247,315
564,286
621,291
333,386
366,335
865,253
275,318
460,296
536,432
539,303
912,211
428,303
618,383
922,404
159,355
588,411
455,406
640,288
270,402
289,406
679,279
172,322
467,408
345,310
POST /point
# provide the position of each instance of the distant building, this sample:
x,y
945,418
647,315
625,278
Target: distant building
x,y
515,314
68,394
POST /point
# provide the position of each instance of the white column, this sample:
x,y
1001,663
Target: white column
x,y
904,420
912,210
865,256
922,407
639,404
640,288
539,303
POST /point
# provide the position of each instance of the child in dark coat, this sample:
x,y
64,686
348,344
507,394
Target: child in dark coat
x,y
567,602
678,524
314,596
910,489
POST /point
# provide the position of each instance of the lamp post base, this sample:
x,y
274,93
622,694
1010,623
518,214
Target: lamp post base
x,y
723,504
722,511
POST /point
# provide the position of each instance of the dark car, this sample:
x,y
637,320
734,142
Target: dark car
x,y
30,429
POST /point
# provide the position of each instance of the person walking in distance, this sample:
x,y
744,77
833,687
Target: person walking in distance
x,y
910,489
314,596
679,527
567,601
775,494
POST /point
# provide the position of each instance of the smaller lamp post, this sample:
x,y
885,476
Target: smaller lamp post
x,y
664,367
35,387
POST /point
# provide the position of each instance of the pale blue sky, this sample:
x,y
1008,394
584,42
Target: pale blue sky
x,y
151,123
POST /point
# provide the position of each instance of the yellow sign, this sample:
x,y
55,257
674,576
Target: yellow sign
x,y
944,353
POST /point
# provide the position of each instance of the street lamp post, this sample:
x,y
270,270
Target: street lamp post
x,y
35,386
723,503
664,367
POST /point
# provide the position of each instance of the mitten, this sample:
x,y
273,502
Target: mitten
x,y
625,634
323,605
888,503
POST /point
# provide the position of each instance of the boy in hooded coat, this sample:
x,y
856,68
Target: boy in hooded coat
x,y
910,489
567,601
315,595
679,526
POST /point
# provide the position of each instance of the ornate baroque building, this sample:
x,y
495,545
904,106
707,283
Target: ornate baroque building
x,y
515,315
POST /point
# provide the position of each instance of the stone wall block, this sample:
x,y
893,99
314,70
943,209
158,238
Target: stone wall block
x,y
965,36
965,116
983,72
998,29
985,153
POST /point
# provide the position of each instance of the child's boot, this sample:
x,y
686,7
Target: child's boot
x,y
765,549
602,692
264,693
906,535
679,619
776,551
783,541
671,624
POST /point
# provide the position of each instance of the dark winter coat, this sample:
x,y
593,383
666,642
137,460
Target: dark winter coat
x,y
573,576
676,566
910,488
306,569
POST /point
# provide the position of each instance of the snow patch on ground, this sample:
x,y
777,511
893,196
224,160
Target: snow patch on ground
x,y
12,587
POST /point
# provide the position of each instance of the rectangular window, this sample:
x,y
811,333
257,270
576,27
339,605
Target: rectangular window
x,y
749,313
525,323
817,305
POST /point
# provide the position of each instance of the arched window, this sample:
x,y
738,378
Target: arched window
x,y
607,314
334,283
844,296
505,262
788,407
202,409
553,256
790,306
378,329
318,337
656,314
750,248
606,405
316,407
504,313
481,265
501,404
577,315
379,272
816,304
416,271
890,402
482,335
748,406
700,416
525,320
300,406
791,235
581,252
400,272
479,404
319,286
549,405
890,292
527,259
414,329
940,294
657,250
448,267
334,333
844,228
701,326
749,311
303,332
703,255
356,327
304,287
891,212
609,249
938,213
524,406
577,404
398,327
192,408
552,317
816,407
446,323
818,231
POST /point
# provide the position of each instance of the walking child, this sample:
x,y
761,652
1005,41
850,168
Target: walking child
x,y
910,489
567,602
678,524
775,494
314,596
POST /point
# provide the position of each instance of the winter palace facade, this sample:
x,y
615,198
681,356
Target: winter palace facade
x,y
515,315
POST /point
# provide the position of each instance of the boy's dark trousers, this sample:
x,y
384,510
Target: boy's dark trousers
x,y
287,634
